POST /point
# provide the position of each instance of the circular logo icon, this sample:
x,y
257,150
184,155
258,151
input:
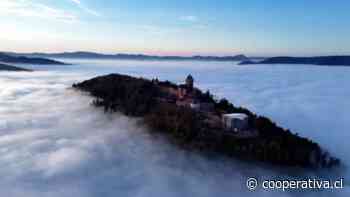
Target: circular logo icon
x,y
252,183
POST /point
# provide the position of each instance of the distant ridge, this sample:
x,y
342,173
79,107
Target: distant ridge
x,y
23,59
320,60
92,55
5,67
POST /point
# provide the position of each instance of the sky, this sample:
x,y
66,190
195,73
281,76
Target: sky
x,y
177,27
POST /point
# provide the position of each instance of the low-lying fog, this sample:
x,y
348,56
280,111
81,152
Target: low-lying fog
x,y
53,143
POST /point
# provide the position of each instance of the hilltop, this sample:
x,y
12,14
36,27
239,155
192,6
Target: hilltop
x,y
196,121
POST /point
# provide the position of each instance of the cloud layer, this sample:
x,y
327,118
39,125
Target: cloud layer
x,y
53,143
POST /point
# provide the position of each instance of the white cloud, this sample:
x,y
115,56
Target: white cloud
x,y
190,18
194,22
30,8
62,160
27,8
77,2
85,8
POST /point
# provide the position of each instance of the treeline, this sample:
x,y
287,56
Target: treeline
x,y
138,97
131,96
276,143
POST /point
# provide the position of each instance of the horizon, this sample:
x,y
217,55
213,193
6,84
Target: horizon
x,y
176,28
165,55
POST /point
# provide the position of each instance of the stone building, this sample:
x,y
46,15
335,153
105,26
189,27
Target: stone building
x,y
235,122
187,96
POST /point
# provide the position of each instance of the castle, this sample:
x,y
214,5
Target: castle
x,y
186,91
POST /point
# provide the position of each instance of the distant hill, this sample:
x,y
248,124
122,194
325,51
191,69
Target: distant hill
x,y
5,67
20,59
321,60
83,54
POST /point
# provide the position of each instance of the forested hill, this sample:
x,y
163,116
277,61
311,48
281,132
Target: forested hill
x,y
5,58
203,130
5,67
322,60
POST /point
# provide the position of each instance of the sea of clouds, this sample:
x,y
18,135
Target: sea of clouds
x,y
54,143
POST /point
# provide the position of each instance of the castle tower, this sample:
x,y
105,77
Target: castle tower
x,y
189,82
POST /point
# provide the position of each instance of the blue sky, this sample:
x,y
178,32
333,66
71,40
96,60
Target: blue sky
x,y
178,27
